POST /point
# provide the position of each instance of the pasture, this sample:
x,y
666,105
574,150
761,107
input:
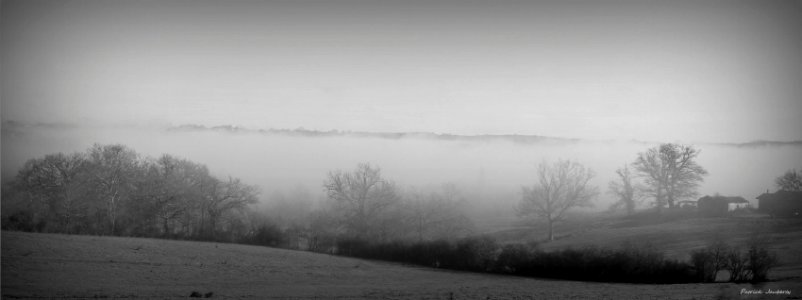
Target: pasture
x,y
675,234
68,266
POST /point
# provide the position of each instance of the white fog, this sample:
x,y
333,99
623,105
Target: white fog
x,y
490,173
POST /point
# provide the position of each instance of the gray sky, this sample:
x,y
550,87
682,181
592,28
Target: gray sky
x,y
719,71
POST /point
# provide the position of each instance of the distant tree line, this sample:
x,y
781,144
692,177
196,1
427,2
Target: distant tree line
x,y
363,205
112,190
668,173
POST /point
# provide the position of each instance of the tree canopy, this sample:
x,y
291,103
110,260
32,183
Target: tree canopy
x,y
790,181
670,173
110,189
560,186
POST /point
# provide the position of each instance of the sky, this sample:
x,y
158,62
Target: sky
x,y
714,71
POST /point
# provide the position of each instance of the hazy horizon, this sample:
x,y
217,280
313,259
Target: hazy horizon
x,y
601,73
663,71
491,172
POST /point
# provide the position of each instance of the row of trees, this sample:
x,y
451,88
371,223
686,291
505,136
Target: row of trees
x,y
366,206
112,190
669,173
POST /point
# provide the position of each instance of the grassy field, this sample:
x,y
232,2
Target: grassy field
x,y
676,234
64,266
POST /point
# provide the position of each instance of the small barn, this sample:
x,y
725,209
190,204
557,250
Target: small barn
x,y
720,205
781,203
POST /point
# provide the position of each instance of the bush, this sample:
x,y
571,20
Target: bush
x,y
19,221
760,262
483,254
709,261
474,254
515,259
736,264
753,265
351,246
635,265
265,235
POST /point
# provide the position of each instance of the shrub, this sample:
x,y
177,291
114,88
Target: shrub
x,y
483,254
709,261
515,259
753,265
702,264
736,264
629,264
265,235
19,221
760,262
475,254
352,246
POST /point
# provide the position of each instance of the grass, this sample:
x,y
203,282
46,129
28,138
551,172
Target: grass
x,y
676,234
65,266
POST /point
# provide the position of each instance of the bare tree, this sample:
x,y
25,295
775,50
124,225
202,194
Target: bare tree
x,y
113,170
110,190
671,173
171,187
625,190
322,230
56,181
560,186
224,196
363,196
790,181
438,215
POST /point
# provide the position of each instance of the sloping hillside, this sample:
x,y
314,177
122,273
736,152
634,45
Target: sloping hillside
x,y
45,265
675,234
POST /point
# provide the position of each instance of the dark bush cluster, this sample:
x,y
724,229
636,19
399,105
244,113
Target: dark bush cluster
x,y
470,254
267,234
630,264
752,265
483,254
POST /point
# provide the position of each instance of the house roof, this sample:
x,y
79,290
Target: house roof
x,y
781,195
723,199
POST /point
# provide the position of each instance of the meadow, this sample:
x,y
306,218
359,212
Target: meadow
x,y
38,265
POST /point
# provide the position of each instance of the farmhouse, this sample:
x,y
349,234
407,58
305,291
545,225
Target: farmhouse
x,y
781,203
690,204
720,205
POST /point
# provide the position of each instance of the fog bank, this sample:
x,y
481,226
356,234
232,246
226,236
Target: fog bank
x,y
489,172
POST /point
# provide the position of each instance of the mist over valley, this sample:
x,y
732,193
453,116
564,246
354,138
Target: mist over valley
x,y
487,170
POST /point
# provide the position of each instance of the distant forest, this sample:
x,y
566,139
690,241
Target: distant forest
x,y
516,138
112,190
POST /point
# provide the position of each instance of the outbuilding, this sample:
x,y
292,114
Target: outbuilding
x,y
781,203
